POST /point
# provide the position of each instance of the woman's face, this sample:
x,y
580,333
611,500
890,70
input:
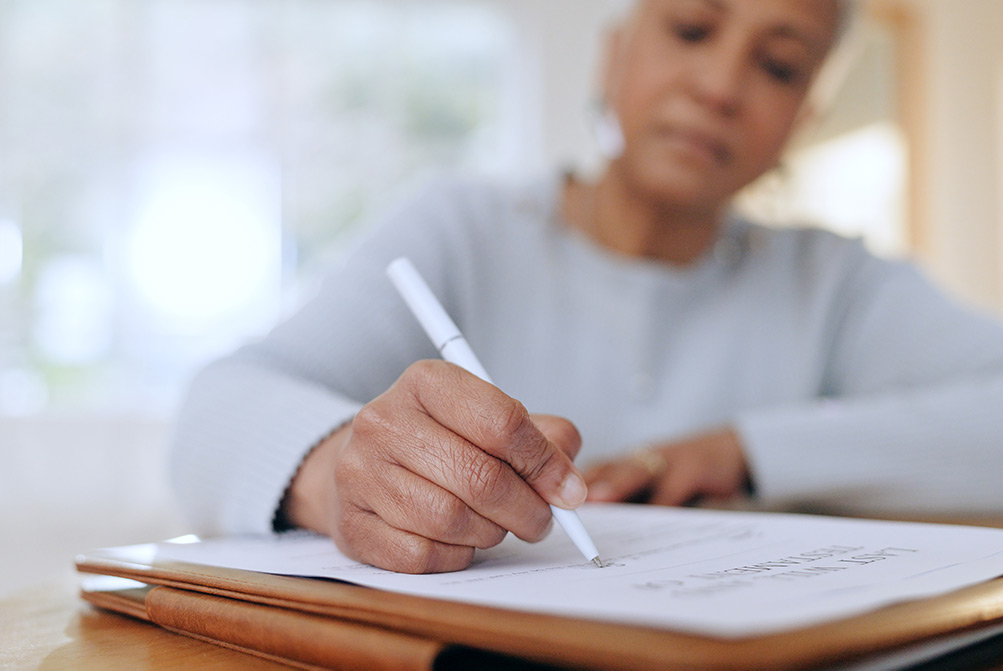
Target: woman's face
x,y
708,91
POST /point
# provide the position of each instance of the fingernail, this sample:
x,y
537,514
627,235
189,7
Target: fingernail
x,y
573,491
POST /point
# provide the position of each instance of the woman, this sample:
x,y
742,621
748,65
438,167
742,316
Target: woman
x,y
636,310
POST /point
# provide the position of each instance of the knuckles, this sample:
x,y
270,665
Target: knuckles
x,y
348,532
451,521
423,374
372,542
373,420
491,538
509,422
490,482
446,518
421,555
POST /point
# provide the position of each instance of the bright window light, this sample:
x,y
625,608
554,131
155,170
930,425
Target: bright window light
x,y
205,244
855,184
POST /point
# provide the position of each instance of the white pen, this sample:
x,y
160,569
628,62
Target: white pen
x,y
446,337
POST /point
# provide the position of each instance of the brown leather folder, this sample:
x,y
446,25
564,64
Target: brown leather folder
x,y
314,623
291,636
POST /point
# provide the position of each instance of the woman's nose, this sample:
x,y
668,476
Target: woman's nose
x,y
719,80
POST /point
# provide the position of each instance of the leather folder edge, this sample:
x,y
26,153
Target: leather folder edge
x,y
573,642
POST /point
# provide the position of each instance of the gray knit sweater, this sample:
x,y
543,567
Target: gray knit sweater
x,y
851,380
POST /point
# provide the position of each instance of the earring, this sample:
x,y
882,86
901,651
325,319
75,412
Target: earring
x,y
607,129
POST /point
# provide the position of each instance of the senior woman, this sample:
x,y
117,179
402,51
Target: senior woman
x,y
633,310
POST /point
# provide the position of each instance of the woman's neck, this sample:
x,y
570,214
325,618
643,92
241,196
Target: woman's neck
x,y
640,226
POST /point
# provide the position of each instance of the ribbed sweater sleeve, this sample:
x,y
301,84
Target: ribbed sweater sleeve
x,y
910,419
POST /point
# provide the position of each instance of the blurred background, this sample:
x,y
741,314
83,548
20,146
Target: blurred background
x,y
175,175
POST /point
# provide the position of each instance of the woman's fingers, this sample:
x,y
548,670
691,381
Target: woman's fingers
x,y
621,480
478,484
443,463
499,426
372,541
708,465
412,503
683,482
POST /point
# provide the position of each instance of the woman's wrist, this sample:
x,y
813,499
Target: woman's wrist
x,y
306,501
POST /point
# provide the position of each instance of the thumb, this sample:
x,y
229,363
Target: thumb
x,y
541,453
560,432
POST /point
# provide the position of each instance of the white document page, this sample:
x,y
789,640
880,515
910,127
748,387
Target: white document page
x,y
720,573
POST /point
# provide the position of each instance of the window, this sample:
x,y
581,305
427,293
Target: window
x,y
171,169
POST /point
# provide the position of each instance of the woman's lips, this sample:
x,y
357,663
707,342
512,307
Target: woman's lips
x,y
697,142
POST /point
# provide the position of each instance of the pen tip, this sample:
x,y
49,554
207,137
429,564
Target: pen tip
x,y
597,562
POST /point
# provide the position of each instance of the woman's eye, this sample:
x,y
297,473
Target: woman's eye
x,y
691,32
780,71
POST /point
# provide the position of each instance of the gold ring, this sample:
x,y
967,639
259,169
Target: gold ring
x,y
651,460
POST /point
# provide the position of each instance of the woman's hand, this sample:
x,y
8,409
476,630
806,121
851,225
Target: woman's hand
x,y
709,465
440,464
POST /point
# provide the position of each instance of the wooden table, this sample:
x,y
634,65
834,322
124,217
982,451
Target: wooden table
x,y
49,627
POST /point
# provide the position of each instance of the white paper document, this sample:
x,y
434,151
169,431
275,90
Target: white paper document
x,y
721,573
